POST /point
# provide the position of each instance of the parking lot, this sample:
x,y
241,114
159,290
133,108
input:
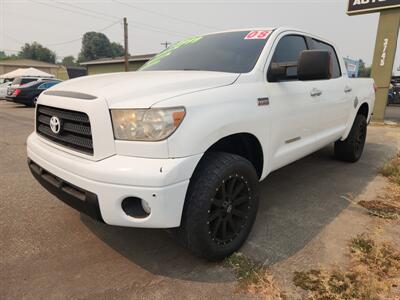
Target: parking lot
x,y
51,251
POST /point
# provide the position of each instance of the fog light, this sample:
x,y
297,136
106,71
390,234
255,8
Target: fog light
x,y
146,207
135,207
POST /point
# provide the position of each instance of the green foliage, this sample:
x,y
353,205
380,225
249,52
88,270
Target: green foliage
x,y
36,51
245,269
69,61
253,278
96,45
4,56
116,49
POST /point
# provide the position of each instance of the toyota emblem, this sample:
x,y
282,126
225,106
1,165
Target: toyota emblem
x,y
55,124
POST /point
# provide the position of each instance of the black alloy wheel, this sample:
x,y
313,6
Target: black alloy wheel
x,y
229,209
220,207
352,147
360,138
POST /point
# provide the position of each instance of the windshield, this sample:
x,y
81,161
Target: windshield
x,y
233,52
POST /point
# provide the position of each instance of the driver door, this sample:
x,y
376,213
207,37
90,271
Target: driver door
x,y
294,107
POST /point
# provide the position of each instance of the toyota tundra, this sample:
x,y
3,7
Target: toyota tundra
x,y
184,142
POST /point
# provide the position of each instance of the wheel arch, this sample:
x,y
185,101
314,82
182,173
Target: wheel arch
x,y
243,144
363,110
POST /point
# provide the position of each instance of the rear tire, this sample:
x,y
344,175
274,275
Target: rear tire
x,y
352,147
220,207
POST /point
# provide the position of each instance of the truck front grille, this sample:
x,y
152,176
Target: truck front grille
x,y
74,131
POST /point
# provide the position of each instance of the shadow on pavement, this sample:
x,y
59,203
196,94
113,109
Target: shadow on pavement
x,y
296,203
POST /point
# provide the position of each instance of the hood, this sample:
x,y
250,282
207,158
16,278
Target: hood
x,y
144,89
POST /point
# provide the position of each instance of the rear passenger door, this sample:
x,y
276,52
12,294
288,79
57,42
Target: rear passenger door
x,y
335,99
294,112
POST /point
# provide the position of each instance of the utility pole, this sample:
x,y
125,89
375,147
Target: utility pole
x,y
126,44
166,44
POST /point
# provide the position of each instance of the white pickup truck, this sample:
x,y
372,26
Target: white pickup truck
x,y
184,142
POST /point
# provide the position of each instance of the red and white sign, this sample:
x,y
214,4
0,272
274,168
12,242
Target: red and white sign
x,y
257,35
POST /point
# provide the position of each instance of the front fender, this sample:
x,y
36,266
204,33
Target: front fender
x,y
218,113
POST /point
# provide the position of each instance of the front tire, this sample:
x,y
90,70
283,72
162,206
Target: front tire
x,y
220,207
352,147
34,101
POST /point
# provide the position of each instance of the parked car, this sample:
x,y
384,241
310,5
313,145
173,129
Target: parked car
x,y
184,142
28,93
394,92
3,89
18,81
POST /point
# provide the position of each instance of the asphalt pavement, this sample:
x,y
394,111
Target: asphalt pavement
x,y
50,251
393,113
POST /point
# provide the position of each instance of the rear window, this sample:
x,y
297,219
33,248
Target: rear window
x,y
336,72
22,81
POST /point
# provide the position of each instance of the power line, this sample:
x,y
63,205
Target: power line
x,y
88,10
166,16
61,43
79,39
66,9
139,25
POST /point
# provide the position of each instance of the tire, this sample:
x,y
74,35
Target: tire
x,y
351,148
34,102
214,224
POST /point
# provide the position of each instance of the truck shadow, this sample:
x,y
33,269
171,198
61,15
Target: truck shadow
x,y
296,203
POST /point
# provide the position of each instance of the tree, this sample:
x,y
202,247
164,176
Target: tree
x,y
69,61
37,52
116,49
96,45
4,56
363,71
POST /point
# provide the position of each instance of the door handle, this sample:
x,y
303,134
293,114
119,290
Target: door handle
x,y
315,92
347,89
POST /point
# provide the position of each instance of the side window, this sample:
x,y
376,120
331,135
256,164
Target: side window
x,y
47,85
288,50
27,80
43,86
336,72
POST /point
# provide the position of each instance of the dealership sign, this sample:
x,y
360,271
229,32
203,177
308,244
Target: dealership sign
x,y
368,6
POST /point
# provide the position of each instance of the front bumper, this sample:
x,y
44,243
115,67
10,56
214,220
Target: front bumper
x,y
162,183
81,200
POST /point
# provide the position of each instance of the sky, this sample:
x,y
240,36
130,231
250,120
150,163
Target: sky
x,y
60,24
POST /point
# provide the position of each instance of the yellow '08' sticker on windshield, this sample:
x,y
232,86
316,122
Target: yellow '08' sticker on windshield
x,y
156,59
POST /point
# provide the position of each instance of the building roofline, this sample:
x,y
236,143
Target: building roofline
x,y
27,63
119,59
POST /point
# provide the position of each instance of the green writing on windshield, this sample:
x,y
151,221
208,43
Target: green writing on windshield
x,y
156,59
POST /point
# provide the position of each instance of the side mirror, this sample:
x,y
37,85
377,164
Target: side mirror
x,y
276,73
280,71
314,65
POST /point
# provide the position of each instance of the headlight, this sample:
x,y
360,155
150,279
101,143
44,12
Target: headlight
x,y
152,124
